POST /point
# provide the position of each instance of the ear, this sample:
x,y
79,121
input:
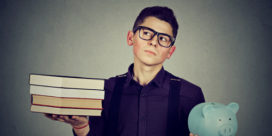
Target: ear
x,y
207,108
171,51
130,40
234,107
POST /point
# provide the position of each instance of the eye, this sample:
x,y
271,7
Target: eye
x,y
146,33
220,120
229,118
164,39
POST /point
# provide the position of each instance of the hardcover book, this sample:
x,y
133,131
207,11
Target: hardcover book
x,y
66,81
65,111
64,102
66,95
66,92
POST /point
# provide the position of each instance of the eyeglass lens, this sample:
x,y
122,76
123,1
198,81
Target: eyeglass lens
x,y
147,34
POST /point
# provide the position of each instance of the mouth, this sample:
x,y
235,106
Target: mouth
x,y
150,52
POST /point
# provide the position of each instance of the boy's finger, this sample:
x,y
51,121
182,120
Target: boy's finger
x,y
55,116
61,120
76,117
81,118
191,134
48,115
66,118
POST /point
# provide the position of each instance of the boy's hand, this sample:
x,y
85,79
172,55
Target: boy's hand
x,y
75,121
191,134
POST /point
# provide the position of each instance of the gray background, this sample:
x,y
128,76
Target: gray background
x,y
224,46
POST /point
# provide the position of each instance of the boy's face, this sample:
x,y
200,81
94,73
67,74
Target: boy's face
x,y
149,52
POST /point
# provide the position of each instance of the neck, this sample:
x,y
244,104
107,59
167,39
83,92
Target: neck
x,y
143,74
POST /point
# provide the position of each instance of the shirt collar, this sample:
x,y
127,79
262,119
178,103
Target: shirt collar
x,y
158,80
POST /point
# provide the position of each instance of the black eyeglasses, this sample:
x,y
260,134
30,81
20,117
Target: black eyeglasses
x,y
147,34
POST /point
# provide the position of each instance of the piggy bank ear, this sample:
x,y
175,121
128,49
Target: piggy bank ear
x,y
234,107
206,109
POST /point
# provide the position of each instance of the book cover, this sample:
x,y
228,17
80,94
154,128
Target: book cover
x,y
65,111
66,92
66,81
64,102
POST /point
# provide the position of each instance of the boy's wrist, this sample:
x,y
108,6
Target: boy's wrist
x,y
82,130
81,126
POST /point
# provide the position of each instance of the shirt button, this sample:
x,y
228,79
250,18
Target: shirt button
x,y
143,95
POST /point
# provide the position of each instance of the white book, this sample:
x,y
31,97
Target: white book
x,y
66,81
65,111
66,92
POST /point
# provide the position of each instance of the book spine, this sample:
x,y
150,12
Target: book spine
x,y
66,107
64,92
66,81
65,102
65,111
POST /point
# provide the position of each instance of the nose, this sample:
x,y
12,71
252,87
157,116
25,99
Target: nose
x,y
226,130
154,41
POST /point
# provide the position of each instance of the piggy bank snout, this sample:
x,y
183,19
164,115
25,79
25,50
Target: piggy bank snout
x,y
226,130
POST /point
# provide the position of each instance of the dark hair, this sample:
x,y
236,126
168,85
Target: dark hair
x,y
162,13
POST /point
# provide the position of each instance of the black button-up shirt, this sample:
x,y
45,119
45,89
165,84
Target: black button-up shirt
x,y
143,109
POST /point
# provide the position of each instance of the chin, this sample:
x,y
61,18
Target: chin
x,y
151,63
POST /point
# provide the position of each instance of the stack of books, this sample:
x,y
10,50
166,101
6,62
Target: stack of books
x,y
66,95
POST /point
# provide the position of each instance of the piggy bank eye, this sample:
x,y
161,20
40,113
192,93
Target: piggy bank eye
x,y
229,118
220,120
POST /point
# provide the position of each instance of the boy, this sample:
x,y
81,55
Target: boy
x,y
147,100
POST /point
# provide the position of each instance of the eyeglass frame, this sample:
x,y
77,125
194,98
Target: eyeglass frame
x,y
155,33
